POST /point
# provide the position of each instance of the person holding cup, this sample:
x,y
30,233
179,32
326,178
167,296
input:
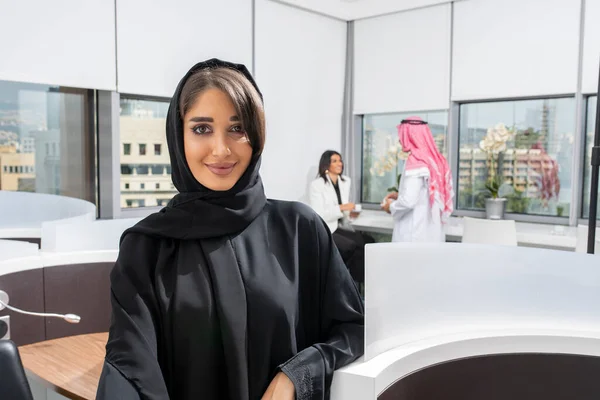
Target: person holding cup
x,y
424,200
329,196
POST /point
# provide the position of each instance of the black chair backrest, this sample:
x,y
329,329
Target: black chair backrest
x,y
13,382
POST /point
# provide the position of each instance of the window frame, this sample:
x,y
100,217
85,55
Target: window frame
x,y
583,119
576,163
359,126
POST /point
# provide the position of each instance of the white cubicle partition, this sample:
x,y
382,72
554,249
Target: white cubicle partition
x,y
418,291
31,209
15,249
428,304
84,235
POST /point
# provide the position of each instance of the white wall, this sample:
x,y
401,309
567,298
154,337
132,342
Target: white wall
x,y
591,43
300,61
510,48
402,61
350,10
158,41
58,42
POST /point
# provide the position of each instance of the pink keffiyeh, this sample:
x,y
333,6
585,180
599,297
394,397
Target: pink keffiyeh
x,y
416,138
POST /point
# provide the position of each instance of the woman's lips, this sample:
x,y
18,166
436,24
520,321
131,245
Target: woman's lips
x,y
221,168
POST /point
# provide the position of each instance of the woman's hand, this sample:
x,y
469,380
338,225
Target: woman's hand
x,y
347,207
281,388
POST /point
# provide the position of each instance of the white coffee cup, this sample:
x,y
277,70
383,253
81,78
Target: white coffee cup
x,y
357,207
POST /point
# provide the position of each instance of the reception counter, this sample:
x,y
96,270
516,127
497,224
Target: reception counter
x,y
458,321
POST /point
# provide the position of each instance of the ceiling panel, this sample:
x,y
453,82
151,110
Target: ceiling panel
x,y
350,10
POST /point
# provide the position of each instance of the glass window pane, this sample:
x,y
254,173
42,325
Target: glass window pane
x,y
143,124
381,165
46,140
127,149
142,169
534,169
589,143
158,169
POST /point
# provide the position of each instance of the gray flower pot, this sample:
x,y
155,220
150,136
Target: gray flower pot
x,y
494,208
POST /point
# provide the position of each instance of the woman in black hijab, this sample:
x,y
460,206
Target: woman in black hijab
x,y
224,294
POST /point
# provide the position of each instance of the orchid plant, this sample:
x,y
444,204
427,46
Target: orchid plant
x,y
389,162
493,144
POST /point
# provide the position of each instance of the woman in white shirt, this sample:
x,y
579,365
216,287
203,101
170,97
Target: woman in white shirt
x,y
329,196
424,201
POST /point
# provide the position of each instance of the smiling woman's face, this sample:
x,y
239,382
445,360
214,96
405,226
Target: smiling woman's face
x,y
217,148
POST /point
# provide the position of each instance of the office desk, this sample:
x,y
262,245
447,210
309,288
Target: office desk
x,y
528,234
70,366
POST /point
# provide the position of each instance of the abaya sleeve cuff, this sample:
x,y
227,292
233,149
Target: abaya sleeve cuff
x,y
305,370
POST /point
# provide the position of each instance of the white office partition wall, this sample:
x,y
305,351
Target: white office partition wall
x,y
16,249
512,48
59,42
402,61
420,291
157,42
85,235
30,210
591,46
433,304
300,63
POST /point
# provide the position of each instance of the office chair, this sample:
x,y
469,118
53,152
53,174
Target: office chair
x,y
13,382
485,231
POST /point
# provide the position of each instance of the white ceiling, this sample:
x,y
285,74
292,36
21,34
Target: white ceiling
x,y
350,10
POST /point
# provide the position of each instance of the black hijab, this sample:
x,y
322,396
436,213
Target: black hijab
x,y
197,212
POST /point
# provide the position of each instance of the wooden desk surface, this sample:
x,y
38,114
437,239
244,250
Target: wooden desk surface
x,y
70,366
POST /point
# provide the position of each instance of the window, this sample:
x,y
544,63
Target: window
x,y
158,169
6,169
535,169
142,186
127,149
127,186
589,143
34,131
381,162
158,186
142,203
129,203
126,169
143,122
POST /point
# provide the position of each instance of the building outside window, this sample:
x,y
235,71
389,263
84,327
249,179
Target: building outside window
x,y
382,162
143,122
589,143
142,186
127,149
47,139
535,169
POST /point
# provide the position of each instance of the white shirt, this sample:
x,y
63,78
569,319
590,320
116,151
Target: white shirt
x,y
414,220
323,199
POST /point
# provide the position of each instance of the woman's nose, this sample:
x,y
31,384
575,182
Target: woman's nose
x,y
220,148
